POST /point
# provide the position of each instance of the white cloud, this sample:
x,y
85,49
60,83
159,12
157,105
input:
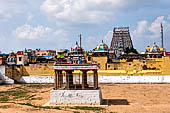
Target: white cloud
x,y
28,32
41,35
28,36
169,17
141,28
155,27
148,34
92,41
13,8
108,37
152,30
84,11
10,8
4,16
30,16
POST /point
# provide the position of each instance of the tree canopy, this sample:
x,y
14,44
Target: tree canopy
x,y
131,50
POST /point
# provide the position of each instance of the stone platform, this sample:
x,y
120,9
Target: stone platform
x,y
75,97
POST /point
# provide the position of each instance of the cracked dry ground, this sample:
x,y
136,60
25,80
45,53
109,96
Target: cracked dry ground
x,y
122,98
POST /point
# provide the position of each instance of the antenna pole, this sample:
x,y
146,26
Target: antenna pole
x,y
162,43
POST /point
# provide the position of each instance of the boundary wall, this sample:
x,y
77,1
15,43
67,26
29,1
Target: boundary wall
x,y
103,79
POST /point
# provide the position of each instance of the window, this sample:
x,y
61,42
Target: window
x,y
20,58
89,58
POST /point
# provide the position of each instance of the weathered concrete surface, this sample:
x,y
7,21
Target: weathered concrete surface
x,y
4,79
134,79
76,97
37,79
102,79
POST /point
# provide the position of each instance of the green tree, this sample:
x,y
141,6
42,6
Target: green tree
x,y
131,50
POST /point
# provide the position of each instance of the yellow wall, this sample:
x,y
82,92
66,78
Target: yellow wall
x,y
161,65
42,54
102,61
38,70
166,65
136,66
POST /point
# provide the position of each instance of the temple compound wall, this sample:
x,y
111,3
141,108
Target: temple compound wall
x,y
125,72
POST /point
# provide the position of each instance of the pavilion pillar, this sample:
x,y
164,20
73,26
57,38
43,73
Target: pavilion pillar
x,y
84,79
95,79
56,80
69,79
60,79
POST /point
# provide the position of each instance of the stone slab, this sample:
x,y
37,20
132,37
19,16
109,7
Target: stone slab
x,y
76,97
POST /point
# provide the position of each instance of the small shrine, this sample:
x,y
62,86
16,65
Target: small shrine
x,y
66,90
69,68
154,51
76,55
101,50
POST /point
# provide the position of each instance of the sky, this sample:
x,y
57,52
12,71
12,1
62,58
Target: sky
x,y
56,24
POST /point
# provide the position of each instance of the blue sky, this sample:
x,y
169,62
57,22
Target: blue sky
x,y
56,24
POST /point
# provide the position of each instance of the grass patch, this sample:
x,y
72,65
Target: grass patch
x,y
31,97
13,94
17,94
4,99
5,106
76,112
28,104
88,108
34,106
35,98
37,86
56,107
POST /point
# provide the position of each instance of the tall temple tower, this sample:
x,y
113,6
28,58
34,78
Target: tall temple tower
x,y
121,40
162,41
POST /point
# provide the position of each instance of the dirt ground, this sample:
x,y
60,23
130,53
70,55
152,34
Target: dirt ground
x,y
122,98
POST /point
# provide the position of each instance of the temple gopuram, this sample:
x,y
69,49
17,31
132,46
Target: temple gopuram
x,y
121,40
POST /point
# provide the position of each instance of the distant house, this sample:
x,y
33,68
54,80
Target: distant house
x,y
3,58
39,52
22,58
45,55
11,60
